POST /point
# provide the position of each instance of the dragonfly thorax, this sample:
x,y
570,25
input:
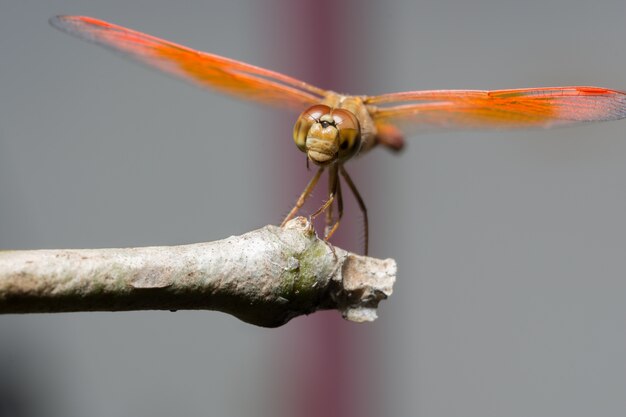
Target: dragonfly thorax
x,y
327,135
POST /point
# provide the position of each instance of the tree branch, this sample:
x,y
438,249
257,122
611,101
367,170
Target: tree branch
x,y
264,277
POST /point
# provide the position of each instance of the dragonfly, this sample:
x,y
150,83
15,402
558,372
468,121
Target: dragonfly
x,y
333,128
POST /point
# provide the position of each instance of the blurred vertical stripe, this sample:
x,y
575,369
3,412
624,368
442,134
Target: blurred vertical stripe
x,y
320,355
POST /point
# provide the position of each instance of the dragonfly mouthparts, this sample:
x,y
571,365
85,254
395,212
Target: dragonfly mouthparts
x,y
321,151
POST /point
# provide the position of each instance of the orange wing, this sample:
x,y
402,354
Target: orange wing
x,y
499,109
212,71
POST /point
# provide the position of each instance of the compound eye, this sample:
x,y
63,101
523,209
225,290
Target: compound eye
x,y
307,119
349,133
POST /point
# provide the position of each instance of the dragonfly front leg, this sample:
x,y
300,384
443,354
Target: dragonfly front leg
x,y
307,191
331,230
333,180
332,184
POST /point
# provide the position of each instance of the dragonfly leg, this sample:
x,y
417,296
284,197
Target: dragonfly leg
x,y
345,175
332,191
332,180
327,204
307,191
331,230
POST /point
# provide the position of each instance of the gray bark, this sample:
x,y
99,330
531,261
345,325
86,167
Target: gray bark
x,y
264,277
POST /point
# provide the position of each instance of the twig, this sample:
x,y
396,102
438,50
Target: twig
x,y
265,277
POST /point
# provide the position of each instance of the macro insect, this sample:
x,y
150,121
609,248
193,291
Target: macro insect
x,y
333,128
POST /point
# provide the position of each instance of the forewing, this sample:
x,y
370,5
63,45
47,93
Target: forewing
x,y
498,109
215,72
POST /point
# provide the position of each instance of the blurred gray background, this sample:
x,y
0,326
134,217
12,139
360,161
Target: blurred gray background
x,y
511,294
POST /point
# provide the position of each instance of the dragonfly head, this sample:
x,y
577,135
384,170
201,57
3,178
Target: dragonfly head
x,y
327,135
